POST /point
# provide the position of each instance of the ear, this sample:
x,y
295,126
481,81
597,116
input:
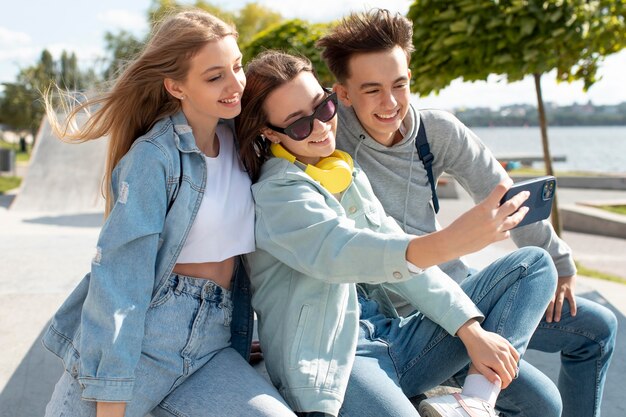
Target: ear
x,y
409,73
173,88
270,135
342,94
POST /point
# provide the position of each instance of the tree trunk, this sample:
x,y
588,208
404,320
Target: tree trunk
x,y
547,158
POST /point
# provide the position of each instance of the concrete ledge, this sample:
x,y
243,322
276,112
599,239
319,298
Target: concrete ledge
x,y
592,220
604,182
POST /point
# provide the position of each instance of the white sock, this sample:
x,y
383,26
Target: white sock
x,y
476,385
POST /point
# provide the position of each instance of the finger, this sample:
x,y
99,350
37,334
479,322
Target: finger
x,y
550,311
511,364
514,203
489,373
515,218
493,199
515,354
572,304
558,306
506,376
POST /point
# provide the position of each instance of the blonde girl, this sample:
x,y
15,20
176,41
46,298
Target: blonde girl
x,y
167,296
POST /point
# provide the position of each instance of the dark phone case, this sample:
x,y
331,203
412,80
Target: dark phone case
x,y
539,208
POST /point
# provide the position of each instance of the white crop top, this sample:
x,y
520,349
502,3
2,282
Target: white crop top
x,y
224,225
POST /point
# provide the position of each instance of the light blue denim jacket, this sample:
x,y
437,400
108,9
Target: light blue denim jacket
x,y
98,331
312,249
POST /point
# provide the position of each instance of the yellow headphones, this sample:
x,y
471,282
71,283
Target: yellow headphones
x,y
333,172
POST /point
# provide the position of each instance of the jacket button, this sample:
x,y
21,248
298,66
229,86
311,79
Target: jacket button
x,y
352,210
397,275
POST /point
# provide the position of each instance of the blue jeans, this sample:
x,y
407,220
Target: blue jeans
x,y
187,335
586,343
398,358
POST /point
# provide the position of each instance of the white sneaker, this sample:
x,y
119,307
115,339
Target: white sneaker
x,y
455,405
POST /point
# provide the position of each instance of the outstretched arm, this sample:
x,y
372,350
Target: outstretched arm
x,y
485,223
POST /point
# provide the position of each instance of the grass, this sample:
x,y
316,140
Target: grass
x,y
618,209
592,273
8,183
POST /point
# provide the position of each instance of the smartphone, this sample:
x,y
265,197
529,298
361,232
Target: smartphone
x,y
539,202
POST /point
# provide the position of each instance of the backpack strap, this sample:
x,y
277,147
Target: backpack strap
x,y
427,158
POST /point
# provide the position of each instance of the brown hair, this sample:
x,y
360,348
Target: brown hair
x,y
372,31
138,97
264,74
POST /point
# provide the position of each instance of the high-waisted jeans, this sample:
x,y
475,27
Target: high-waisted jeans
x,y
187,335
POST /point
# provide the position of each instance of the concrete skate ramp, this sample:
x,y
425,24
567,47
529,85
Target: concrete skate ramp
x,y
63,177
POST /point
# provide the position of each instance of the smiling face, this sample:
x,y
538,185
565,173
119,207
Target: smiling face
x,y
291,101
378,91
214,84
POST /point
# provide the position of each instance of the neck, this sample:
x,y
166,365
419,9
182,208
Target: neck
x,y
204,129
208,143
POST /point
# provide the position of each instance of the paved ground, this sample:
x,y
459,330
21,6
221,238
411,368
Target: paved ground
x,y
43,255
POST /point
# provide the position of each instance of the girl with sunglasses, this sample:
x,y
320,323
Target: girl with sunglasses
x,y
327,255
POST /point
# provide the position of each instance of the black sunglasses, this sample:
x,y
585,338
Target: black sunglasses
x,y
302,128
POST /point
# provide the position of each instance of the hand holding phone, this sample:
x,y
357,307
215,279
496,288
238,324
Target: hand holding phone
x,y
539,203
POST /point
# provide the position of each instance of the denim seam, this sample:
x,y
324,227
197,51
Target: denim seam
x,y
594,339
166,406
523,266
436,340
394,361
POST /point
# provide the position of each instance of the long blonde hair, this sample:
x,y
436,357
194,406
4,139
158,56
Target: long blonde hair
x,y
138,97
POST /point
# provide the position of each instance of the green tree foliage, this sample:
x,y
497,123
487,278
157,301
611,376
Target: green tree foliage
x,y
293,36
121,48
249,20
21,106
472,39
160,9
254,18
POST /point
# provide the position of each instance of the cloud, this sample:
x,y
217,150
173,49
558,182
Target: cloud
x,y
123,19
11,38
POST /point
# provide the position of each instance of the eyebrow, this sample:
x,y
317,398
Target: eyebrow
x,y
216,67
370,85
299,112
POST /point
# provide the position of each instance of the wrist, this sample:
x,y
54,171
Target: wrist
x,y
469,331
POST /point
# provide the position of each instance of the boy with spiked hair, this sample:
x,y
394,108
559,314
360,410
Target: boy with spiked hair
x,y
369,54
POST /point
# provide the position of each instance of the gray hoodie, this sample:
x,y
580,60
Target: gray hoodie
x,y
399,179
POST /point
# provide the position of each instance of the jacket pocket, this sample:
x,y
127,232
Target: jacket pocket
x,y
296,348
373,217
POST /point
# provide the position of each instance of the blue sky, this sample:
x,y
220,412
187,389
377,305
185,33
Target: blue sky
x,y
29,26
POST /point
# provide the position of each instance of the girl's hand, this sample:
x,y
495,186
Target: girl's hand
x,y
485,223
488,221
491,354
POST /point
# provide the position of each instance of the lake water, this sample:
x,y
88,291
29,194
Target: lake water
x,y
586,148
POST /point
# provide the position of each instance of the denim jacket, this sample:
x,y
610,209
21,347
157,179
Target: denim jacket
x,y
312,250
98,331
